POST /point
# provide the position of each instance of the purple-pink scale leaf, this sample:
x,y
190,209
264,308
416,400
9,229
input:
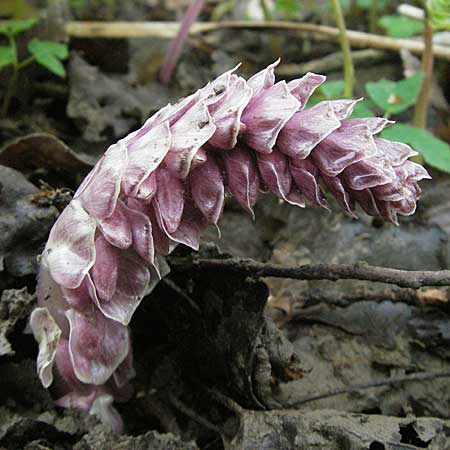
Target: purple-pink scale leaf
x,y
188,135
374,124
47,334
274,171
147,189
303,88
265,116
335,186
50,296
306,176
105,270
366,200
132,280
70,251
81,297
97,345
191,225
144,156
117,229
227,114
366,174
141,230
264,79
104,410
306,129
242,177
214,93
343,148
125,372
100,195
170,199
343,108
207,189
160,239
396,152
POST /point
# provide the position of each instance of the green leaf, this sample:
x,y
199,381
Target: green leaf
x,y
6,56
332,89
401,26
12,27
49,54
394,97
363,4
77,4
439,11
367,4
288,7
17,9
363,109
435,152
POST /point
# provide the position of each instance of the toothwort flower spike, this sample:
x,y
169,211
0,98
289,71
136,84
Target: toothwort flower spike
x,y
163,184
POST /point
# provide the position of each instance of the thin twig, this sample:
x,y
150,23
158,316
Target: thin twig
x,y
224,400
274,40
373,16
332,272
334,62
423,100
176,46
168,30
171,285
439,298
420,376
193,415
349,70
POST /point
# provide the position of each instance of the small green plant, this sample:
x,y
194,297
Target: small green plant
x,y
48,54
287,8
439,13
349,69
434,152
394,97
401,26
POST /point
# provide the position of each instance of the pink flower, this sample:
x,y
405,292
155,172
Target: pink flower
x,y
163,184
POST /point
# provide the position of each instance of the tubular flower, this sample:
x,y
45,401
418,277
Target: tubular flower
x,y
163,184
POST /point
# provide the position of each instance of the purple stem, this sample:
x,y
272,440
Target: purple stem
x,y
172,55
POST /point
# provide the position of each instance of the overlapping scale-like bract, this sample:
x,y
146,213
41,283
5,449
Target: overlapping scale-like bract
x,y
164,183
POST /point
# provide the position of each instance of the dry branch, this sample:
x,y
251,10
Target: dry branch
x,y
332,272
437,297
168,30
420,376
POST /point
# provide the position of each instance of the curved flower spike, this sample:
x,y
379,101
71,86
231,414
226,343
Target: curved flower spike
x,y
163,184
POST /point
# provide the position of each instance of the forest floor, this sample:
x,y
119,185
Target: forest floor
x,y
225,360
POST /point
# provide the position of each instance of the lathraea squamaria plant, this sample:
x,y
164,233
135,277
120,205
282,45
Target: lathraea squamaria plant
x,y
164,183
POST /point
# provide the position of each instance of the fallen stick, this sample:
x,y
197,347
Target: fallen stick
x,y
168,30
437,297
333,272
419,376
333,62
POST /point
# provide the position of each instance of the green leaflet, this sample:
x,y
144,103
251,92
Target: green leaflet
x,y
439,11
12,27
400,26
394,97
49,54
6,56
435,152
